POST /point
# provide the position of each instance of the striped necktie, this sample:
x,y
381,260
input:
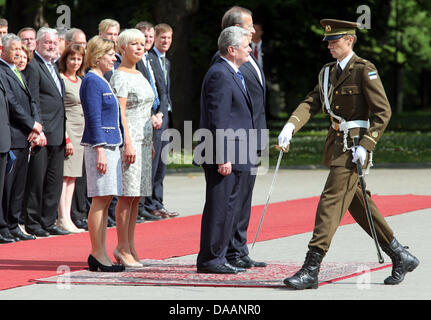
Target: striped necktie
x,y
54,76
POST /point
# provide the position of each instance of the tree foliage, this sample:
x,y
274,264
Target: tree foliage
x,y
398,42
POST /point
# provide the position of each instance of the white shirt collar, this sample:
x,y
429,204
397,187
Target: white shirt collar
x,y
12,66
343,63
44,61
234,67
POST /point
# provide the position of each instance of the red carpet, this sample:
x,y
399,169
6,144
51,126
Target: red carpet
x,y
26,260
171,272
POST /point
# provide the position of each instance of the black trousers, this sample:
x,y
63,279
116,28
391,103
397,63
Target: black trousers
x,y
222,204
3,162
155,201
80,201
13,194
43,188
238,243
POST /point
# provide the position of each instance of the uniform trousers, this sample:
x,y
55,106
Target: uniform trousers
x,y
343,192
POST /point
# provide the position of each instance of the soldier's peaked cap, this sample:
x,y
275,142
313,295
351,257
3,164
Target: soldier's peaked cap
x,y
335,29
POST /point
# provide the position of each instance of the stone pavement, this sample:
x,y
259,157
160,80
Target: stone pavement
x,y
185,193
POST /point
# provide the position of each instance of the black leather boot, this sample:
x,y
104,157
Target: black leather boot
x,y
306,277
402,261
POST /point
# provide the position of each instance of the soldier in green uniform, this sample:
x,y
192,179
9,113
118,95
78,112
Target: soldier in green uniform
x,y
349,90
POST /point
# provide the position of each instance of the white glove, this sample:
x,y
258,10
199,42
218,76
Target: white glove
x,y
359,153
286,135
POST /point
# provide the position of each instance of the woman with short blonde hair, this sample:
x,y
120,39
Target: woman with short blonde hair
x,y
136,99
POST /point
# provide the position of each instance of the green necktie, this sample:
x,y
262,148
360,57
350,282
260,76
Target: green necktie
x,y
165,72
18,74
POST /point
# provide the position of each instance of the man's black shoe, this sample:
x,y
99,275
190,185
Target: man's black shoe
x,y
38,232
81,224
56,231
253,263
148,216
240,263
225,268
17,233
5,238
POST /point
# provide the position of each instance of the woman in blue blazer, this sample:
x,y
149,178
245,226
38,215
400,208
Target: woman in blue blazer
x,y
101,139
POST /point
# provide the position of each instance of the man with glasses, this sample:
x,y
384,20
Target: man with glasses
x,y
28,38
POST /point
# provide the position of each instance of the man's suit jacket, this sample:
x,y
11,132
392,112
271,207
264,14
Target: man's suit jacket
x,y
225,105
257,92
5,141
48,99
22,107
140,66
163,87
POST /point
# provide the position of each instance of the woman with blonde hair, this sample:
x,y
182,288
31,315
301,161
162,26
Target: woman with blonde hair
x,y
136,99
101,139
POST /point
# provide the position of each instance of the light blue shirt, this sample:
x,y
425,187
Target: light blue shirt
x,y
343,63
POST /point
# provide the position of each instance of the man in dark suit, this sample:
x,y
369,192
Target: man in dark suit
x,y
5,143
255,81
45,172
161,67
227,116
144,66
25,128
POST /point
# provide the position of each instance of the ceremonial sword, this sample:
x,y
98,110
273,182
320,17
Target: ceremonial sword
x,y
280,155
367,206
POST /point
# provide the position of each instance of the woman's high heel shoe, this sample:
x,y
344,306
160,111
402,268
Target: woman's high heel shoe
x,y
95,265
120,259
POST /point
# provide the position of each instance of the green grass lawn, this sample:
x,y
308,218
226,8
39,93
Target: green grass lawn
x,y
394,147
407,139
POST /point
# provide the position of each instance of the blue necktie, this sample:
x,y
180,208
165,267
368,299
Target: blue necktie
x,y
241,77
156,102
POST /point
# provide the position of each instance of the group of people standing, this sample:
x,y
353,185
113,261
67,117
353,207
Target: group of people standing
x,y
94,110
125,101
232,98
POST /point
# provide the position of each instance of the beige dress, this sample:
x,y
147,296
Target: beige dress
x,y
74,127
136,177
